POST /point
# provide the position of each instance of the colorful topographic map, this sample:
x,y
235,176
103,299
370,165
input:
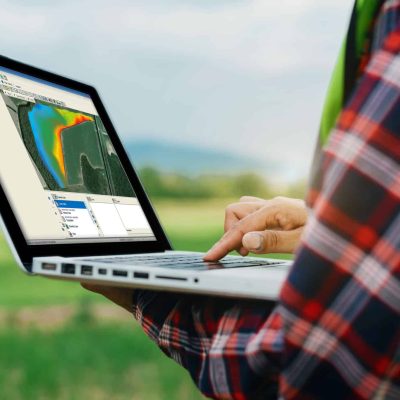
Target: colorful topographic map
x,y
71,150
48,123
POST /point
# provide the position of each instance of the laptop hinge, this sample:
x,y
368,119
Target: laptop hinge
x,y
28,266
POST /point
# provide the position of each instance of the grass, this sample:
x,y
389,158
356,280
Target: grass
x,y
88,361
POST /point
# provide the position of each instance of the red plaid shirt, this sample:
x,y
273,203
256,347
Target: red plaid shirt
x,y
335,332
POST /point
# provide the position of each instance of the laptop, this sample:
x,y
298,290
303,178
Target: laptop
x,y
72,206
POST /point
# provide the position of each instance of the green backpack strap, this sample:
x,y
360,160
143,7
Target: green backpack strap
x,y
345,73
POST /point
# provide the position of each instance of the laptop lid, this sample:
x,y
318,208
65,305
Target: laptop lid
x,y
67,186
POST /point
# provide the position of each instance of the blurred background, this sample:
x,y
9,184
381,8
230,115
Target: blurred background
x,y
213,99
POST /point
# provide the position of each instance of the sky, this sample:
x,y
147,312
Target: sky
x,y
248,77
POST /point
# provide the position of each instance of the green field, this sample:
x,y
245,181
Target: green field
x,y
88,361
86,357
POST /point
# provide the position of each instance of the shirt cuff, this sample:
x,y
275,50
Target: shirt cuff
x,y
151,309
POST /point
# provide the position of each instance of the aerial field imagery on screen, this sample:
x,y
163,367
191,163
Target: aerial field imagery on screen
x,y
71,150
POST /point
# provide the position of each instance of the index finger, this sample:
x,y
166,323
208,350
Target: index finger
x,y
230,241
257,221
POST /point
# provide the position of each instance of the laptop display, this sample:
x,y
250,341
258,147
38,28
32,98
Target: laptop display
x,y
56,155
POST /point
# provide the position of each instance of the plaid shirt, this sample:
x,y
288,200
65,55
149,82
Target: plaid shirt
x,y
335,332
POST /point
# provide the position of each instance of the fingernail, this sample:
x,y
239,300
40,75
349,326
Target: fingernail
x,y
253,241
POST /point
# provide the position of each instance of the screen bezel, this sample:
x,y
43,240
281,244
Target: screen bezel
x,y
27,251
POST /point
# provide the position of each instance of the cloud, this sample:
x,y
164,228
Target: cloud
x,y
259,35
245,75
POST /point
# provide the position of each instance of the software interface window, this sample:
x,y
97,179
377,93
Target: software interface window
x,y
59,168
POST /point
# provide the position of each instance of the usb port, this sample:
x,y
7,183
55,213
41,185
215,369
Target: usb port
x,y
68,269
102,271
49,266
141,275
119,272
86,270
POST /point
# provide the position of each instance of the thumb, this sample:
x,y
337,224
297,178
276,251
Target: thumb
x,y
270,241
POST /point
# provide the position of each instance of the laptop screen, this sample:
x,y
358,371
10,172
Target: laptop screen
x,y
59,169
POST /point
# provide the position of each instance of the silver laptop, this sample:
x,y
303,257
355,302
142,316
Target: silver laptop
x,y
73,208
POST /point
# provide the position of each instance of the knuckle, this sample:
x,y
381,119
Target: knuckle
x,y
283,199
236,226
230,208
272,241
283,221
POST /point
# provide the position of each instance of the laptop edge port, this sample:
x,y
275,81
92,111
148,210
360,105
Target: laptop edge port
x,y
119,272
49,266
141,275
172,278
102,271
86,270
68,269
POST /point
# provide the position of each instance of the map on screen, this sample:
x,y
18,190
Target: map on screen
x,y
71,150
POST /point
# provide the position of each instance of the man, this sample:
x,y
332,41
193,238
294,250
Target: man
x,y
335,331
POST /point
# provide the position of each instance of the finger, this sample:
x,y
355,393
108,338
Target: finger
x,y
237,211
270,241
243,251
251,199
118,295
230,241
106,291
92,288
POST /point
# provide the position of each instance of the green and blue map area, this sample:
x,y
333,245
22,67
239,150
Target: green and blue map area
x,y
71,150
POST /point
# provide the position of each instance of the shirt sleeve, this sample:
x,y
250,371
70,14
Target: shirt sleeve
x,y
335,333
222,343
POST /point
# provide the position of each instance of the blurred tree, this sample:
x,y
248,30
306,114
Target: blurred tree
x,y
151,179
251,184
298,189
171,185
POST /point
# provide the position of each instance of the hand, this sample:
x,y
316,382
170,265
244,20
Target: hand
x,y
253,224
120,296
261,226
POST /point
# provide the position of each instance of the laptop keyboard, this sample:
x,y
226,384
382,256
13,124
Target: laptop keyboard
x,y
182,261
